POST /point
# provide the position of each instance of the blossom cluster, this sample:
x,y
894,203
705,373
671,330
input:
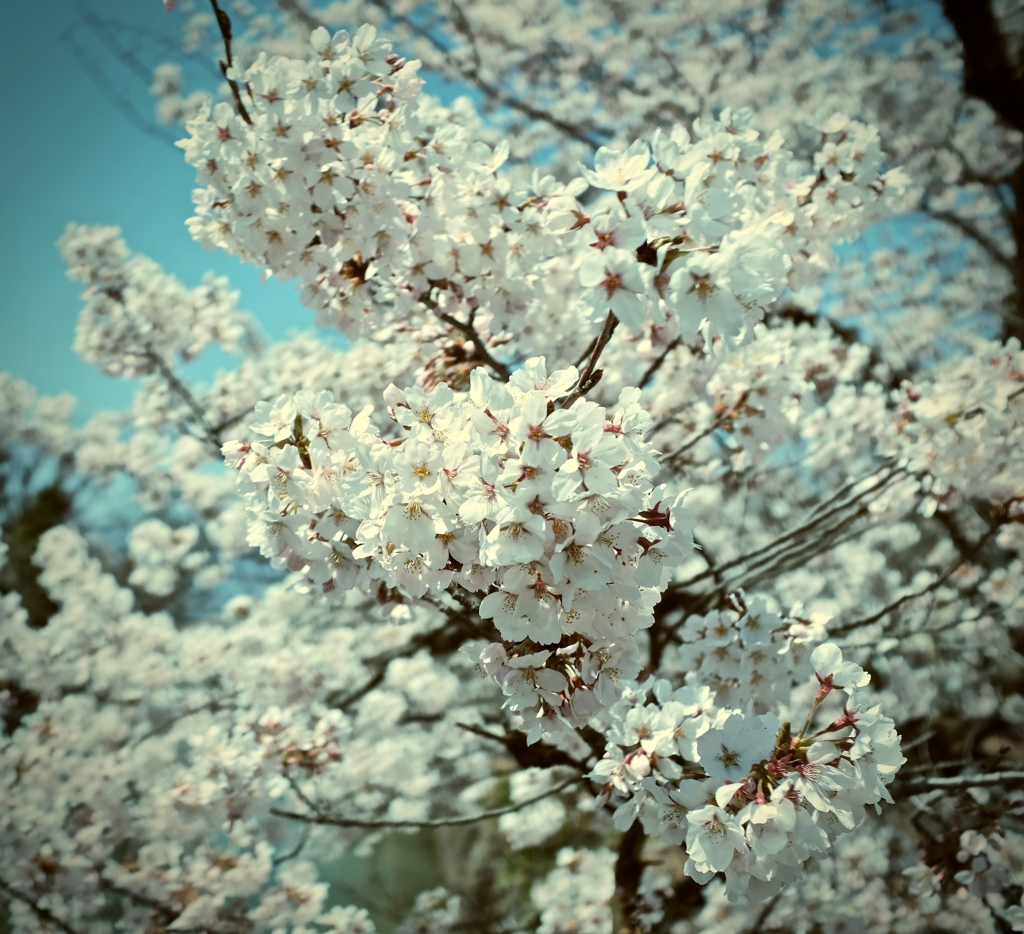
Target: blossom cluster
x,y
389,212
575,895
136,316
171,745
726,219
745,794
965,426
549,512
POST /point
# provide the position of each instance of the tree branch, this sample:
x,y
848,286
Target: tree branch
x,y
183,393
988,72
793,533
320,818
629,868
983,240
900,790
539,755
924,591
42,913
657,364
110,91
467,73
469,331
590,375
224,22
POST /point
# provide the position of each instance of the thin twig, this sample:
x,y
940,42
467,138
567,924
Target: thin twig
x,y
656,365
758,926
793,533
42,913
214,706
590,375
230,420
183,393
468,329
468,73
474,76
956,783
914,743
587,351
224,22
319,818
906,598
344,702
110,91
480,731
278,860
711,429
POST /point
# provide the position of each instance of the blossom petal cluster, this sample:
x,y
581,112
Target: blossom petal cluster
x,y
743,792
137,316
550,513
391,213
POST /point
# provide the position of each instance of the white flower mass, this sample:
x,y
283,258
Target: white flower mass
x,y
649,556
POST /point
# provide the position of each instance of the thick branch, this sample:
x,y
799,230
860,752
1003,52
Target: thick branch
x,y
629,868
988,72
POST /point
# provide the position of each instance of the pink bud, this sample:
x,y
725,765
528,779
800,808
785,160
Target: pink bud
x,y
169,4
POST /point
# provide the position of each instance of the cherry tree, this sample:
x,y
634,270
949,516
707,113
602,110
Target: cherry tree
x,y
650,556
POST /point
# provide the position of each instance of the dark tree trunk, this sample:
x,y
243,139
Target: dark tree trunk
x,y
991,75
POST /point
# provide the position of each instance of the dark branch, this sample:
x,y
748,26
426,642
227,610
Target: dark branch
x,y
919,786
224,22
657,364
988,71
183,393
108,89
591,375
983,240
924,591
468,73
467,329
41,913
320,818
539,755
629,868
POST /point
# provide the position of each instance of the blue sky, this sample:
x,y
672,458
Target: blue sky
x,y
70,155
